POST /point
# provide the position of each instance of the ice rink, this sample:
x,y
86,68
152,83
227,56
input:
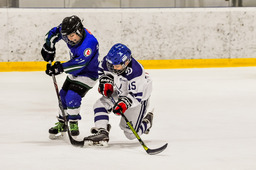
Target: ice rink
x,y
207,116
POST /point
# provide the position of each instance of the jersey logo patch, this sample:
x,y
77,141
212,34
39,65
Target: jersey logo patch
x,y
128,71
87,52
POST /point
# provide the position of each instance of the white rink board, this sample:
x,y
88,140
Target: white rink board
x,y
164,33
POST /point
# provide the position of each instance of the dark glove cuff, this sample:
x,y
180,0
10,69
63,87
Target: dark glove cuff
x,y
106,79
49,49
127,101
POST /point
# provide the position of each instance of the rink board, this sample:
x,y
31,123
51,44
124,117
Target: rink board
x,y
148,64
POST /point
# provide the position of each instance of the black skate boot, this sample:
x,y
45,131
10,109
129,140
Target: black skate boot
x,y
95,130
148,119
74,128
100,136
56,131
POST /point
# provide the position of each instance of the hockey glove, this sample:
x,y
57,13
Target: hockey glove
x,y
48,53
54,69
106,83
122,105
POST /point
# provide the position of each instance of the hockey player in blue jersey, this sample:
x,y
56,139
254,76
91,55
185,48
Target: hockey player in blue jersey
x,y
124,79
81,69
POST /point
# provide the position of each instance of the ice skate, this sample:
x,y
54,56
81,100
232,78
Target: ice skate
x,y
74,128
57,131
100,137
149,120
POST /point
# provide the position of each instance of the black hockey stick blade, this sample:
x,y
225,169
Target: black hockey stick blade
x,y
157,150
75,142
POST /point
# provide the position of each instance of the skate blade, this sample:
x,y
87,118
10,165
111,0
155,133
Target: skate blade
x,y
103,143
56,136
91,143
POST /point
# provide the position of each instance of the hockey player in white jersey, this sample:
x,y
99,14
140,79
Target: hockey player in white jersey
x,y
123,79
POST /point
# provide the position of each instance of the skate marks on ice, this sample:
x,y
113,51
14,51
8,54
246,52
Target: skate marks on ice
x,y
220,103
134,146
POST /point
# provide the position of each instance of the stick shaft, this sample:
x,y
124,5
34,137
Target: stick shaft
x,y
72,141
131,127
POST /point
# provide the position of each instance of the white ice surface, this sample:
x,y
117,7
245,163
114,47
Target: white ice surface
x,y
208,117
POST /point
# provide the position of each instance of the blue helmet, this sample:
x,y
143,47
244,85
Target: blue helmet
x,y
118,54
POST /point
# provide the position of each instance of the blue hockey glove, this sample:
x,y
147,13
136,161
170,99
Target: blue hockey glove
x,y
54,69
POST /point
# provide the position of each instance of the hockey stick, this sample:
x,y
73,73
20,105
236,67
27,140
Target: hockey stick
x,y
149,151
71,139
